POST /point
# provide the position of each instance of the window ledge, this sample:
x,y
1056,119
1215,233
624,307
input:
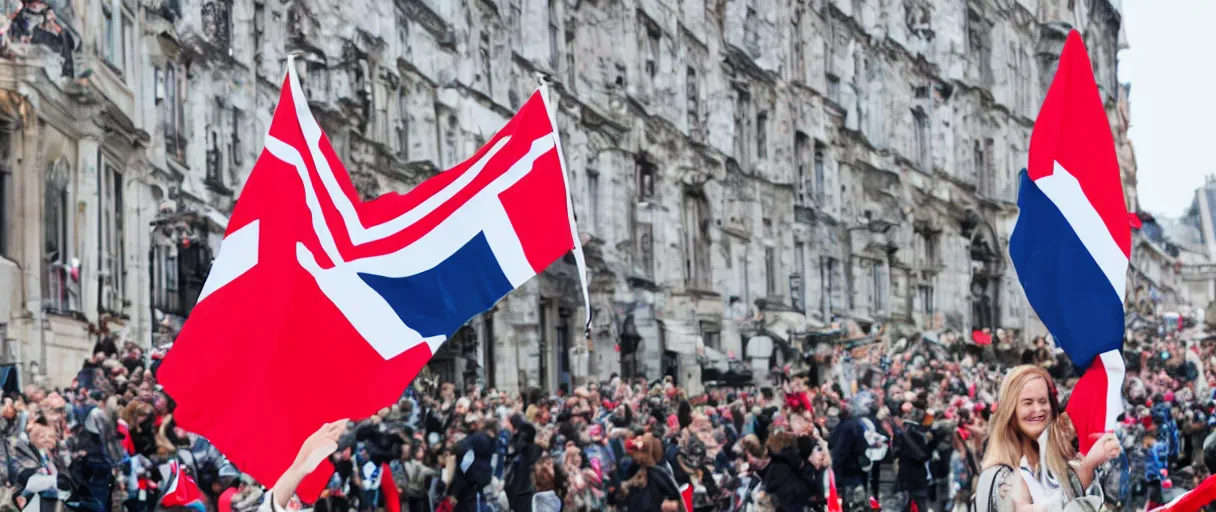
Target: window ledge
x,y
69,314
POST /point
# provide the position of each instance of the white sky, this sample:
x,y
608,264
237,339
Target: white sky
x,y
1171,64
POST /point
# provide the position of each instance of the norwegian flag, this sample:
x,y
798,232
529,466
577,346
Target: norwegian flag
x,y
322,307
1072,241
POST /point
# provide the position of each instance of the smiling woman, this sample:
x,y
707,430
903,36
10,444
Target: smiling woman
x,y
1031,462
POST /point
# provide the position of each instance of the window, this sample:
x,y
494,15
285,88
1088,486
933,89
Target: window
x,y
217,23
802,155
643,237
215,157
762,135
711,335
694,102
820,184
926,248
651,46
978,33
798,52
834,89
593,199
880,287
770,272
921,120
259,31
164,275
978,162
571,70
696,241
645,179
797,293
380,102
483,51
58,290
235,159
403,124
553,34
172,110
925,293
108,45
829,285
128,48
113,247
742,114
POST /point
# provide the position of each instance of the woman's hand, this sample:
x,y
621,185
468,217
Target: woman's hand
x,y
1106,448
671,506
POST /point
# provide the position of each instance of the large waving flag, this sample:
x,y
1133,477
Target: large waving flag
x,y
1072,241
322,307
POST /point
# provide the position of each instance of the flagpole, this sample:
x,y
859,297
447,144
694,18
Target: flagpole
x,y
579,259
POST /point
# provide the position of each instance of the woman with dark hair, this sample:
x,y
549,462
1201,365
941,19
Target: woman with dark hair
x,y
649,487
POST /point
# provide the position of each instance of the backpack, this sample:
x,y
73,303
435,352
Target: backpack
x,y
986,492
877,443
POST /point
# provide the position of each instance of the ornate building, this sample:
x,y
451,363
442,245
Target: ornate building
x,y
745,172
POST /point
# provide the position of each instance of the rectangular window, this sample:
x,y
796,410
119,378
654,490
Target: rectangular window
x,y
762,135
742,116
830,286
711,335
820,184
553,34
802,164
696,242
484,54
880,287
694,102
645,180
593,199
653,45
380,120
926,299
770,272
921,120
109,46
5,187
172,110
235,159
403,124
643,236
128,50
798,52
114,238
834,89
798,293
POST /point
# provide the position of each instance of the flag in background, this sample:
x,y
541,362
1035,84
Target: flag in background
x,y
321,306
1072,241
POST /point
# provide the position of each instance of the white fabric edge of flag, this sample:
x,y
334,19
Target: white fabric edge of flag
x,y
1112,363
579,259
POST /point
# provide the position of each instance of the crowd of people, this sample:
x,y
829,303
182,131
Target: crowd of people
x,y
927,415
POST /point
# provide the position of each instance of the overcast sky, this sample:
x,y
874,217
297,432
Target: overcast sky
x,y
1171,64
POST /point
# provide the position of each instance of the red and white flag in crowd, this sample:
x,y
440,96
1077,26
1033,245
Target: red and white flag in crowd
x,y
1072,242
1192,500
321,306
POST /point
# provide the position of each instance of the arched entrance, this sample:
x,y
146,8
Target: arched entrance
x,y
987,269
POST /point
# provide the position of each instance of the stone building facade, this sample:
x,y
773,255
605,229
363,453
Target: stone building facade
x,y
745,172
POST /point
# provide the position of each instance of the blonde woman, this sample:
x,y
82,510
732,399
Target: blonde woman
x,y
1031,464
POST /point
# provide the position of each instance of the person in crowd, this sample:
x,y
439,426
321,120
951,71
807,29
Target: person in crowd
x,y
649,486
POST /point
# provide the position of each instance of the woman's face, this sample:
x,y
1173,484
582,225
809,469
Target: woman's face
x,y
1034,408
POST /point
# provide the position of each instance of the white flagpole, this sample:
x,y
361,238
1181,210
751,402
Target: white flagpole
x,y
578,242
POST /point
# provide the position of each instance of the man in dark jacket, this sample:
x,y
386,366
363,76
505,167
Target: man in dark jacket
x,y
474,469
914,447
848,445
521,460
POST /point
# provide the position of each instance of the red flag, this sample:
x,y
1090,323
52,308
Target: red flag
x,y
392,499
834,502
1194,499
311,282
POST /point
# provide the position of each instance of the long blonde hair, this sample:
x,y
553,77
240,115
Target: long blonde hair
x,y
1006,441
